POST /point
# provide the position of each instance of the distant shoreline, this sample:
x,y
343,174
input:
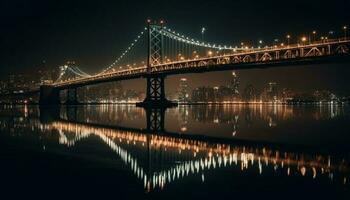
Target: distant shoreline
x,y
203,103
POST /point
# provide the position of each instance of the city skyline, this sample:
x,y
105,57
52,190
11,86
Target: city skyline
x,y
286,77
231,91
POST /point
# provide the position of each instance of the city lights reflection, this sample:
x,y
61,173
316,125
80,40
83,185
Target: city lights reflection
x,y
185,156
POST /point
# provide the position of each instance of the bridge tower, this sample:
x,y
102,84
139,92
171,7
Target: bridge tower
x,y
155,118
155,95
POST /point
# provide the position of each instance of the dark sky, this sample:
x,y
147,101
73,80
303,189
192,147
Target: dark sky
x,y
94,33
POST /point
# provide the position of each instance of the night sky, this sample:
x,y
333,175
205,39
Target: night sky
x,y
39,34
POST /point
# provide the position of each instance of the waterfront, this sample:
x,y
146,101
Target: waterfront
x,y
174,100
203,151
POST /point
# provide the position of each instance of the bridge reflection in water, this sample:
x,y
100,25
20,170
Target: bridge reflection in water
x,y
161,158
170,158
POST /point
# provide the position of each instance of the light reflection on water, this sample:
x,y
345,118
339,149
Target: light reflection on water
x,y
183,149
199,156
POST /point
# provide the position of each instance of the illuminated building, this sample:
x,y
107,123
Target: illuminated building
x,y
250,93
183,91
234,84
3,87
272,91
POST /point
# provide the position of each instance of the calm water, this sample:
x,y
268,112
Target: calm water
x,y
189,152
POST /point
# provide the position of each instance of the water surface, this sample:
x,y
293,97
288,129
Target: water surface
x,y
206,152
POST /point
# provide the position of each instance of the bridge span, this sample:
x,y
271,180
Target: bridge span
x,y
160,64
318,53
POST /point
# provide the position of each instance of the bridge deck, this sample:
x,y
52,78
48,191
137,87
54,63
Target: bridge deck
x,y
325,52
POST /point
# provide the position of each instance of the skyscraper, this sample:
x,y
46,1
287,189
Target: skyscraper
x,y
183,91
250,93
233,85
272,91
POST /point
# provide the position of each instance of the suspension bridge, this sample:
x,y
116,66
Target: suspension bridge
x,y
171,53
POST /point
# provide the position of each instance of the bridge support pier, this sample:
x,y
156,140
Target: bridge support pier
x,y
155,96
49,95
155,119
72,97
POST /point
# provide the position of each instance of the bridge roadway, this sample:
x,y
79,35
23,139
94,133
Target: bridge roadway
x,y
316,53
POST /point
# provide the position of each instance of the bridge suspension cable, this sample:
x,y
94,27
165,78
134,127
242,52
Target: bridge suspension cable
x,y
168,49
174,44
178,47
78,71
125,52
74,70
182,38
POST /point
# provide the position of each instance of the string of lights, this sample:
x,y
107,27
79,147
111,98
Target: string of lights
x,y
182,38
127,50
73,69
77,69
174,48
